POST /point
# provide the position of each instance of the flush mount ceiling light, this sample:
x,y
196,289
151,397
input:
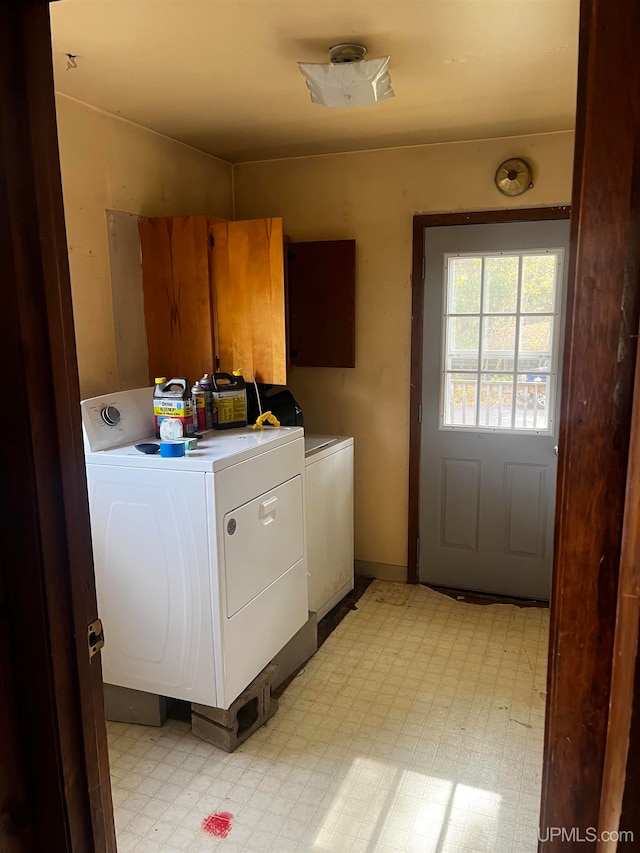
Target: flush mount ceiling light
x,y
348,79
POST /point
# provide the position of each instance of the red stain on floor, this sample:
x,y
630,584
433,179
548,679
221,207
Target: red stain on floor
x,y
218,824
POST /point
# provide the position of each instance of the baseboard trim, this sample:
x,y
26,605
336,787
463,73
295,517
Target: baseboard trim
x,y
381,571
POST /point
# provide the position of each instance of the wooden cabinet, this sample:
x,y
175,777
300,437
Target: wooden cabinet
x,y
248,275
178,306
322,303
214,296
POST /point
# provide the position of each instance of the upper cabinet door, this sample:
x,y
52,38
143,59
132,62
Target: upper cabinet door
x,y
322,303
248,274
177,295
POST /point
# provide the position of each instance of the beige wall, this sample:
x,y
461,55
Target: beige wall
x,y
372,196
108,163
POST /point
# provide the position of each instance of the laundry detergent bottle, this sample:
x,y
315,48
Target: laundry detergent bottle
x,y
172,399
229,397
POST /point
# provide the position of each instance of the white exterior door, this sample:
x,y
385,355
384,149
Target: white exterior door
x,y
492,333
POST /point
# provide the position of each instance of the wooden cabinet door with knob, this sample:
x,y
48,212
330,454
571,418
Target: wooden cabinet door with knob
x,y
178,302
248,275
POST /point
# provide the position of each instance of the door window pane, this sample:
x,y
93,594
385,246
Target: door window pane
x,y
500,341
463,336
460,396
464,285
534,346
538,283
496,400
501,284
531,402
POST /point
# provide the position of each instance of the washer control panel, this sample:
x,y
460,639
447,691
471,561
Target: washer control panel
x,y
121,418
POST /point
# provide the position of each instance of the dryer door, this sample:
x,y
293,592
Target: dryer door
x,y
262,540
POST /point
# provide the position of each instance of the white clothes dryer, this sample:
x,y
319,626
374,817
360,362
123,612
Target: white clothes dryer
x,y
200,561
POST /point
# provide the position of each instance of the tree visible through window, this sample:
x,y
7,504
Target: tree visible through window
x,y
500,356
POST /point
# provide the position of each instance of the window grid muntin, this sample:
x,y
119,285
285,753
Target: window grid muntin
x,y
480,341
550,394
516,347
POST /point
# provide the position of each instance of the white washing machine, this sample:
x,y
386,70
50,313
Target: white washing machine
x,y
329,519
200,561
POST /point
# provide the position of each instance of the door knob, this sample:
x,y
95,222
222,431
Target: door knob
x,y
555,449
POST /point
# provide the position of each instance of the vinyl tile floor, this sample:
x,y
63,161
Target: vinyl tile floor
x,y
416,727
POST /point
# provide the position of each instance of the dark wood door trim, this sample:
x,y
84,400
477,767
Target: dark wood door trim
x,y
625,672
595,418
420,222
52,688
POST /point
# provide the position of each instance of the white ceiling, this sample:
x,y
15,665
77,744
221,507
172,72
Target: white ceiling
x,y
221,75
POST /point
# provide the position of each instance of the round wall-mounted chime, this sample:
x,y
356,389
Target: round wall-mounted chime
x,y
513,177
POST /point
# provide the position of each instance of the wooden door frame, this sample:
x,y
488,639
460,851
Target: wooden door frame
x,y
420,222
595,468
54,777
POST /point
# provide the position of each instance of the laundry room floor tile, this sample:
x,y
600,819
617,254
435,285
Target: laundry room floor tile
x,y
417,726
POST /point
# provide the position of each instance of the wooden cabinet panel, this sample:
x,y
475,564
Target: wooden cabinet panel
x,y
176,280
248,271
206,280
322,303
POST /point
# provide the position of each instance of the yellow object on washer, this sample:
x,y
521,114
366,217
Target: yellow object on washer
x,y
267,417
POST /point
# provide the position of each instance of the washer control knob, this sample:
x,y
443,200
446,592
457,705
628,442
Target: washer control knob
x,y
110,415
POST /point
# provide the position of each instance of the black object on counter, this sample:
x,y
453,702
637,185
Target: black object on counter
x,y
274,399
